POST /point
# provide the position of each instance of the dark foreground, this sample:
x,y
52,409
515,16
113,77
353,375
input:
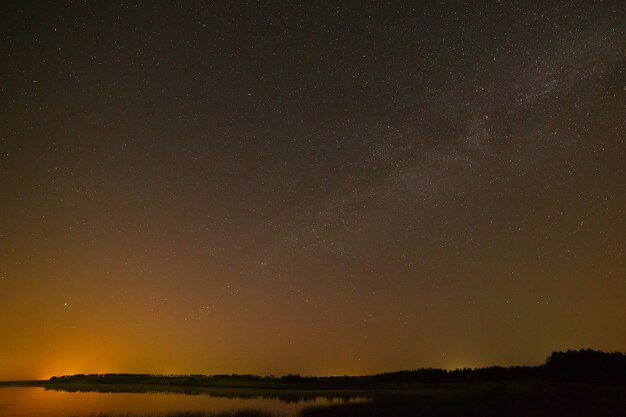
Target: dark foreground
x,y
520,398
528,399
494,399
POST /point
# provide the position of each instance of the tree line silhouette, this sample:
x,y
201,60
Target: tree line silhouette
x,y
572,365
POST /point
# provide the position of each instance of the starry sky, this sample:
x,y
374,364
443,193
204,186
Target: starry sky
x,y
309,187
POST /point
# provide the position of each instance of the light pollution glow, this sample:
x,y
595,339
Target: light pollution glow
x,y
248,189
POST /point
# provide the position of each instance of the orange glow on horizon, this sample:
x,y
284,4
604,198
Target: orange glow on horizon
x,y
238,188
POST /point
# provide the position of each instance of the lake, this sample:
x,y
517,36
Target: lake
x,y
40,402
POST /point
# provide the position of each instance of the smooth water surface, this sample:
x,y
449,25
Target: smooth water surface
x,y
39,402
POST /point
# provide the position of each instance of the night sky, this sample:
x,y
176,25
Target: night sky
x,y
315,187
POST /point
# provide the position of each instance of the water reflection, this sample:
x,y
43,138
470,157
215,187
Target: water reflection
x,y
240,393
82,401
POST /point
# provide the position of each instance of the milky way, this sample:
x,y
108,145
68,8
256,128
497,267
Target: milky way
x,y
321,189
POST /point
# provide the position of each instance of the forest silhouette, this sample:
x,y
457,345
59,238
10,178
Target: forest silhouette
x,y
572,365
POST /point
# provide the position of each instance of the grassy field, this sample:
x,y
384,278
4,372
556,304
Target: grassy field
x,y
519,399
